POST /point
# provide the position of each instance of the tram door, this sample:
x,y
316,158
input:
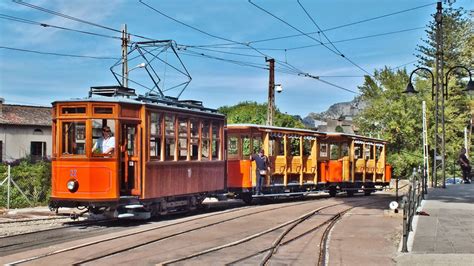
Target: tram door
x,y
130,161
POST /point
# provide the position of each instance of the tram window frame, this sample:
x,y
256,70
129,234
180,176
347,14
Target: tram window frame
x,y
233,147
334,151
246,141
69,142
215,140
344,150
170,136
183,142
156,134
307,145
74,110
323,150
378,151
280,144
257,143
369,153
206,152
272,146
358,152
97,124
294,147
194,143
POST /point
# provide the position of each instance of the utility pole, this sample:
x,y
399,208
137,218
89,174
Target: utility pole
x,y
271,92
439,94
125,41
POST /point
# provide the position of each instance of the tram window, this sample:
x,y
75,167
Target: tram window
x,y
205,153
246,146
294,146
155,135
368,154
323,150
357,152
194,145
334,152
378,151
344,150
256,144
99,139
182,139
103,110
233,147
306,147
281,146
73,110
169,137
73,138
272,147
215,141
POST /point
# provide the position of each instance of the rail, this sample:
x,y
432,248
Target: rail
x,y
411,201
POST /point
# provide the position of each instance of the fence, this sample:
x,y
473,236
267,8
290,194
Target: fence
x,y
411,201
9,180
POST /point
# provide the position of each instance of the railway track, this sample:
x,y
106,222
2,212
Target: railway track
x,y
289,226
135,233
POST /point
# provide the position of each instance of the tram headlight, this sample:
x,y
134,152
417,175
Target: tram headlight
x,y
72,185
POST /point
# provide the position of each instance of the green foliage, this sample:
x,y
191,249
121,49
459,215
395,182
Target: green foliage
x,y
339,129
33,178
254,113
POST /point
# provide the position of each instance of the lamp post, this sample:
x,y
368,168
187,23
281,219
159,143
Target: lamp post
x,y
434,94
411,90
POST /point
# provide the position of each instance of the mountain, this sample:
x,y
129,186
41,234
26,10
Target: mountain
x,y
337,111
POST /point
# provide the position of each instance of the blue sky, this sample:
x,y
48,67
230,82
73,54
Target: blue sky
x,y
29,78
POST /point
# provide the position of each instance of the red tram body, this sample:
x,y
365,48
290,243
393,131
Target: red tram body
x,y
168,155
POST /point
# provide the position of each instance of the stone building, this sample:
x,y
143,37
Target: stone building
x,y
24,131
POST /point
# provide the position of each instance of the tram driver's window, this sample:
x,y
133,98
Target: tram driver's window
x,y
103,137
74,138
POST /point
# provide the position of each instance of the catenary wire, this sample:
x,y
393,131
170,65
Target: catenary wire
x,y
26,21
311,37
58,54
74,18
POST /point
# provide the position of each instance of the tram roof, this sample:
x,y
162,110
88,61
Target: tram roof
x,y
354,136
274,128
167,104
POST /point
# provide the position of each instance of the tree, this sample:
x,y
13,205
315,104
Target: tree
x,y
254,113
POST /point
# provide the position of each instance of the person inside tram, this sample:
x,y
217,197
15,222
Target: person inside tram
x,y
106,143
465,166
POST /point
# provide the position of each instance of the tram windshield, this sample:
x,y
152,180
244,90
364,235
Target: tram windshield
x,y
73,138
103,137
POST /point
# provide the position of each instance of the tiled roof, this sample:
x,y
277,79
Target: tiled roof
x,y
25,115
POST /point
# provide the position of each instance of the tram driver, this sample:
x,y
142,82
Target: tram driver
x,y
106,143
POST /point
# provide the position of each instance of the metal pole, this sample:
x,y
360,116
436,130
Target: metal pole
x,y
124,56
271,92
438,19
8,188
440,79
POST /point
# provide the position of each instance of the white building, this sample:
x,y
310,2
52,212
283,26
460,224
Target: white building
x,y
24,131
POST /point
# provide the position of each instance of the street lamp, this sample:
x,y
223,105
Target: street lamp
x,y
410,90
141,65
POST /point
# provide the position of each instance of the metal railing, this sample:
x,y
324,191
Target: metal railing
x,y
411,201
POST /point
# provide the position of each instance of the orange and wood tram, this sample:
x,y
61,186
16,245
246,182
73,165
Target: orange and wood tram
x,y
131,156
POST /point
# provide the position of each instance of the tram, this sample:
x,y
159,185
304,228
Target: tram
x,y
166,155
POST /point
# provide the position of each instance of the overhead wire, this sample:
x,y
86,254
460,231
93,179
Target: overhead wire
x,y
311,37
74,18
31,22
332,28
290,67
58,54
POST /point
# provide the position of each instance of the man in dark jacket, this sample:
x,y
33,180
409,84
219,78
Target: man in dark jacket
x,y
465,166
262,165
